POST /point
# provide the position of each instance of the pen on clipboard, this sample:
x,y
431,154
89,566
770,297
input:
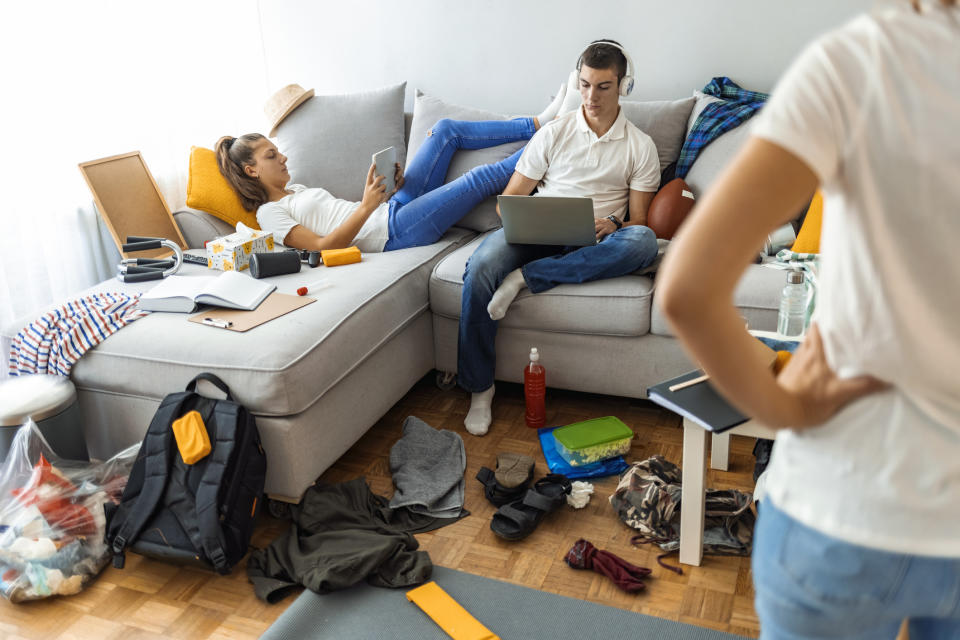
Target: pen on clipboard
x,y
217,322
688,383
316,286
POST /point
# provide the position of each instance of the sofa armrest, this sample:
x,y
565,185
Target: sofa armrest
x,y
198,227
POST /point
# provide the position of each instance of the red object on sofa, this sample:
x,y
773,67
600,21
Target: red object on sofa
x,y
670,208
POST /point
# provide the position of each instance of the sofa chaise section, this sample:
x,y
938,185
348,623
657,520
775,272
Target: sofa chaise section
x,y
316,379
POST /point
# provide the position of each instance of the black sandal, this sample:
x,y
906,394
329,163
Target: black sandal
x,y
509,482
517,520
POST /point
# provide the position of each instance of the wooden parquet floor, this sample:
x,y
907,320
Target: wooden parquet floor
x,y
149,599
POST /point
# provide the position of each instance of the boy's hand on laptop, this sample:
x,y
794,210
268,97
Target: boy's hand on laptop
x,y
604,228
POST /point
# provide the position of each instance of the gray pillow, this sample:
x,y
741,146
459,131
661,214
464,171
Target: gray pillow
x,y
664,121
714,157
426,111
329,140
701,100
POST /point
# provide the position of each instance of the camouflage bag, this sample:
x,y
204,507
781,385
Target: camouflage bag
x,y
647,499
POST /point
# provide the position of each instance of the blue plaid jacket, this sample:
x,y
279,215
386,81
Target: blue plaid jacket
x,y
735,107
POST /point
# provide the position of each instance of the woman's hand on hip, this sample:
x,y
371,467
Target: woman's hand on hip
x,y
818,391
374,191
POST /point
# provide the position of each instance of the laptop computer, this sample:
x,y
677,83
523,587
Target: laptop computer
x,y
548,220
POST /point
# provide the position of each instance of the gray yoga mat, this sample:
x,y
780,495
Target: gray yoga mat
x,y
510,611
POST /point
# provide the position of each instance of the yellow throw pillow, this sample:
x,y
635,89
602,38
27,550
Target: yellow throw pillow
x,y
808,240
208,190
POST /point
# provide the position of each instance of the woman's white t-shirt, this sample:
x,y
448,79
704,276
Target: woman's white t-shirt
x,y
321,213
874,110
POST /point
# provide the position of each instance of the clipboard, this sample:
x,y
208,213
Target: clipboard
x,y
274,306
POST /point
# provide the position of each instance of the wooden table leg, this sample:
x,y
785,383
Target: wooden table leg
x,y
720,451
694,493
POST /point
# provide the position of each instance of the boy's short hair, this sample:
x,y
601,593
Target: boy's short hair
x,y
601,55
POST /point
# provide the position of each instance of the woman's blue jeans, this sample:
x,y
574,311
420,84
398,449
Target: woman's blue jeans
x,y
809,585
543,267
422,211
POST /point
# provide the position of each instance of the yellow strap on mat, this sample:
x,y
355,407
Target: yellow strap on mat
x,y
191,435
334,257
448,614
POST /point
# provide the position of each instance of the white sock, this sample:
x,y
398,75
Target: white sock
x,y
579,495
571,101
505,294
553,108
480,414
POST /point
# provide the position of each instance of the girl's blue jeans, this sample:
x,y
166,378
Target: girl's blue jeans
x,y
422,211
809,585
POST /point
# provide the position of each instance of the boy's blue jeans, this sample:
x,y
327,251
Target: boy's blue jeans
x,y
809,585
543,267
422,211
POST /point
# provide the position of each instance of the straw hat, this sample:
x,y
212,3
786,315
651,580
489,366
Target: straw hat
x,y
283,102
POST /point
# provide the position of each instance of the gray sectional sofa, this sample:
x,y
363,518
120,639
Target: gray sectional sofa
x,y
318,378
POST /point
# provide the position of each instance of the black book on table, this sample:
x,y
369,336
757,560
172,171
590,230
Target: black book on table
x,y
699,402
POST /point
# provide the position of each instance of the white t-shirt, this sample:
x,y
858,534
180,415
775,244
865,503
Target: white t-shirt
x,y
874,110
570,160
321,213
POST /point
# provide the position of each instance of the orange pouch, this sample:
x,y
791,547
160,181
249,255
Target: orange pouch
x,y
335,257
191,435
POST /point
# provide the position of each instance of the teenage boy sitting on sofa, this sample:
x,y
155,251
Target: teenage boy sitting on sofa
x,y
590,151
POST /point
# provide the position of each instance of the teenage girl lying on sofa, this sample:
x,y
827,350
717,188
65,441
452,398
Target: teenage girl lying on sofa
x,y
418,213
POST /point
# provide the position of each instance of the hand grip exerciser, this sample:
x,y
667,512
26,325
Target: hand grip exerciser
x,y
145,269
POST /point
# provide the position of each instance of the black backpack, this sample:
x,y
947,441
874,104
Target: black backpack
x,y
202,513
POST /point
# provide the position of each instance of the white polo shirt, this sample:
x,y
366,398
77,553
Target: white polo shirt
x,y
568,159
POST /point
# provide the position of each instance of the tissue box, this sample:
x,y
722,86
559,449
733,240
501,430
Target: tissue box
x,y
232,252
592,440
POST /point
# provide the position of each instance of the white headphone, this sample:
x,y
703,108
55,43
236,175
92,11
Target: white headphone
x,y
626,82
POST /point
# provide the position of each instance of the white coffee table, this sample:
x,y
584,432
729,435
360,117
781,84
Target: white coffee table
x,y
694,489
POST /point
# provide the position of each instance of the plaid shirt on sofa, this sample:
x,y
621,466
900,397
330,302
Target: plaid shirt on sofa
x,y
735,107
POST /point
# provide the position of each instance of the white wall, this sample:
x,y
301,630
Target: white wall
x,y
511,55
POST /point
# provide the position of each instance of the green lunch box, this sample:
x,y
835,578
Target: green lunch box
x,y
590,441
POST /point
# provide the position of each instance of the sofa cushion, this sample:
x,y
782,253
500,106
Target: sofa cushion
x,y
665,121
426,111
808,239
209,191
617,307
329,140
757,297
280,367
714,157
198,227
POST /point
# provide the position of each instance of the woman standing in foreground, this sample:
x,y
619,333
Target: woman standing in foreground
x,y
861,526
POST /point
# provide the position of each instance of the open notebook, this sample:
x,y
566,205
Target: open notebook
x,y
230,289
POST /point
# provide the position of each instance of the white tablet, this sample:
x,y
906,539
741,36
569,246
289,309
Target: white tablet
x,y
386,162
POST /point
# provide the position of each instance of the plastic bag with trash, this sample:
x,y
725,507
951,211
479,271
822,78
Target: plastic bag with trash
x,y
51,517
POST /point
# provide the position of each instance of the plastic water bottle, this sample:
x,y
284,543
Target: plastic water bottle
x,y
793,306
535,391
